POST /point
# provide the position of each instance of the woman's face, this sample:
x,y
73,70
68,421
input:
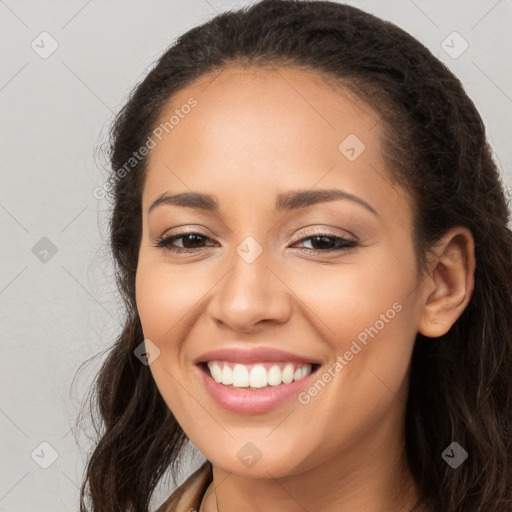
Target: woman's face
x,y
330,282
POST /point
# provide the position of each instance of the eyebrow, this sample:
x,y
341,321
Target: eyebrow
x,y
293,200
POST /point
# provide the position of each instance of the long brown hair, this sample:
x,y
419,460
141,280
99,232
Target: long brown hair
x,y
436,148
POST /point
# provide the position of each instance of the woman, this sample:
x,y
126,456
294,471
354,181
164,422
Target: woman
x,y
311,240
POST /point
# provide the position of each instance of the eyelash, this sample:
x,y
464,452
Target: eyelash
x,y
344,244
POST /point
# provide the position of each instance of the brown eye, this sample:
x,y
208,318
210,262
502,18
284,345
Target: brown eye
x,y
191,242
326,243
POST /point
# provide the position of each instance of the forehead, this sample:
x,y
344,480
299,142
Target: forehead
x,y
263,109
270,128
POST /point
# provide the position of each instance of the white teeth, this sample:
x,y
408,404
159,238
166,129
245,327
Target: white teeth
x,y
256,376
287,376
227,375
274,375
240,376
215,372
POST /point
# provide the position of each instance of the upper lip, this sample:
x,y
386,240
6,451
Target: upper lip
x,y
254,355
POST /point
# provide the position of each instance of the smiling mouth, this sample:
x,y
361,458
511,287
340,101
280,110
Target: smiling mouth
x,y
256,376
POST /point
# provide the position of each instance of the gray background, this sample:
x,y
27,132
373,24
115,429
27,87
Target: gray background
x,y
57,310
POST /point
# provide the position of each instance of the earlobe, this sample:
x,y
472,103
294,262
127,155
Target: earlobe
x,y
450,283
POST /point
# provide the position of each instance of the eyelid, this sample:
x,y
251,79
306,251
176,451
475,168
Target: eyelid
x,y
322,230
185,229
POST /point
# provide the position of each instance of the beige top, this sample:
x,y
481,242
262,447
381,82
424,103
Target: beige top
x,y
188,496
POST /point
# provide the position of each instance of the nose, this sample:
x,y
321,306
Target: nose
x,y
249,295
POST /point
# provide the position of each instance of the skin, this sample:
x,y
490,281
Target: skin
x,y
256,133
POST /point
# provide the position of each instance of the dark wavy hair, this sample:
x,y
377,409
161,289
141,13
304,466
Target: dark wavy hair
x,y
435,147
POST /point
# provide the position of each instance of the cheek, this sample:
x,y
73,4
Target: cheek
x,y
366,313
164,297
351,298
164,301
153,298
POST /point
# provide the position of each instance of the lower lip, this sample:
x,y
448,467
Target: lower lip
x,y
246,401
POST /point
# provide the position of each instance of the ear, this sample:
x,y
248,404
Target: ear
x,y
449,284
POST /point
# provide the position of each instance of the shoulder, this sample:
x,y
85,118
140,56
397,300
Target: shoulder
x,y
190,493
